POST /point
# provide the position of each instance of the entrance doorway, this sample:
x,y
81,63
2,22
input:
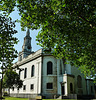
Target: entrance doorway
x,y
63,89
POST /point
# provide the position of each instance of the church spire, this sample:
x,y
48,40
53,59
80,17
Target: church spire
x,y
27,42
26,48
28,32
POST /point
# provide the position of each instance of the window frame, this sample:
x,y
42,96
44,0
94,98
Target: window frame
x,y
49,87
31,85
24,87
49,68
32,71
25,73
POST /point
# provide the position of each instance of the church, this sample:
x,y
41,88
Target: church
x,y
45,76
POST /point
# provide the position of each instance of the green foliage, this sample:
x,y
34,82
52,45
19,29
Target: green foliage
x,y
7,41
11,79
68,28
13,98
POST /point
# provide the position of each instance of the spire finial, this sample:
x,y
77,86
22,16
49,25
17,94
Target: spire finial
x,y
28,32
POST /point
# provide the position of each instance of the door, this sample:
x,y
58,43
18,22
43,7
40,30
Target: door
x,y
63,90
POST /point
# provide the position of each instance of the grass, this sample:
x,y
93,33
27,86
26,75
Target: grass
x,y
13,98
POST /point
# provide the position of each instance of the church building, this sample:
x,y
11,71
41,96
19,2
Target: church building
x,y
46,76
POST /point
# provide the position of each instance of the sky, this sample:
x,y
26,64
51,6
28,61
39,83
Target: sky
x,y
21,34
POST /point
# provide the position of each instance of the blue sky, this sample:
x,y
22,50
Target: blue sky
x,y
21,34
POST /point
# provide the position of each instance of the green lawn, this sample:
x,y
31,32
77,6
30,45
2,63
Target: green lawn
x,y
13,98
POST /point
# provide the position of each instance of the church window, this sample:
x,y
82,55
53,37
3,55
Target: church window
x,y
24,87
79,81
25,73
49,68
32,86
49,85
71,88
32,71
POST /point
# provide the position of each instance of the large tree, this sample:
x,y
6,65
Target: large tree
x,y
7,41
68,28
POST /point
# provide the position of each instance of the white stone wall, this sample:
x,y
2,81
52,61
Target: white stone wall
x,y
36,79
61,75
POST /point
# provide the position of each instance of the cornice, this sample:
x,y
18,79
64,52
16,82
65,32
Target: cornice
x,y
31,57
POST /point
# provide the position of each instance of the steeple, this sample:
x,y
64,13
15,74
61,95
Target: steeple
x,y
28,32
27,42
26,48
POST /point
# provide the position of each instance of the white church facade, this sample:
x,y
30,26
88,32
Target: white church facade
x,y
44,75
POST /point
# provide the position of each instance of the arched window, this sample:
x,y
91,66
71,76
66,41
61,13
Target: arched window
x,y
25,73
49,68
79,81
32,71
71,88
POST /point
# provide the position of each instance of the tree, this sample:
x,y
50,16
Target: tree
x,y
12,79
68,28
7,41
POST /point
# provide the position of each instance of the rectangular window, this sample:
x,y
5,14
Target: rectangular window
x,y
31,86
24,87
25,73
49,85
32,71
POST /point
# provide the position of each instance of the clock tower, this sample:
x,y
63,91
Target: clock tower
x,y
26,48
